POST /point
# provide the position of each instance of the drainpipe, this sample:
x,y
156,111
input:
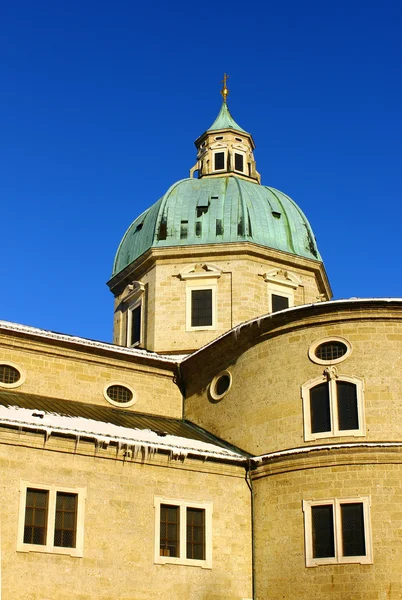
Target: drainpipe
x,y
249,482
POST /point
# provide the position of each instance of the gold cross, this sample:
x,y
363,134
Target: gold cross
x,y
225,91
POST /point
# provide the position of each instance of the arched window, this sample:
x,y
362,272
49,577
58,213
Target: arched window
x,y
333,406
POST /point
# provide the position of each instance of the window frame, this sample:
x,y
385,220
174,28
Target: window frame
x,y
130,309
119,404
243,154
334,338
225,159
21,371
338,558
278,289
182,559
202,285
333,407
49,547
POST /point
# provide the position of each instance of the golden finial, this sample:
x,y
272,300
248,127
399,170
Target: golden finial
x,y
225,91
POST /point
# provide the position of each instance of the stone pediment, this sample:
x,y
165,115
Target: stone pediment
x,y
200,271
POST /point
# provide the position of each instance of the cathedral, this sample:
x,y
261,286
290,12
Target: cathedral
x,y
240,439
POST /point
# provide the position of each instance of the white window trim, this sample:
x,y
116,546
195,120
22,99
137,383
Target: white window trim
x,y
51,515
225,152
338,558
212,388
243,154
335,431
332,338
119,404
205,284
181,559
20,371
133,299
130,311
280,290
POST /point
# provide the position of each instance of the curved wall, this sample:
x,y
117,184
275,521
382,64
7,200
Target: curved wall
x,y
269,362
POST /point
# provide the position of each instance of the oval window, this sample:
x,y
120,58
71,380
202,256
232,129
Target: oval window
x,y
10,375
119,394
330,350
220,385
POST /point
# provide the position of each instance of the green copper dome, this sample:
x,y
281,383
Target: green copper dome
x,y
216,210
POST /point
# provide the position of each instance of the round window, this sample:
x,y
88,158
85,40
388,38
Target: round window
x,y
10,375
330,350
220,385
119,394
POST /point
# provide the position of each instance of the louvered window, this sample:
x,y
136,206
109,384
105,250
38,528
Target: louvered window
x,y
337,531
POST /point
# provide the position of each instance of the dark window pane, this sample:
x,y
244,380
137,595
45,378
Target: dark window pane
x,y
9,374
353,529
331,350
201,308
119,393
65,527
239,162
222,385
319,408
279,302
135,336
36,516
219,161
183,230
347,405
322,522
196,533
169,530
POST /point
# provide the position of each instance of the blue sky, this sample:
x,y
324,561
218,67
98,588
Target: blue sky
x,y
101,103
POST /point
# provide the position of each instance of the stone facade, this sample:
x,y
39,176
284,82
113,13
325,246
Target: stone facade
x,y
242,291
255,454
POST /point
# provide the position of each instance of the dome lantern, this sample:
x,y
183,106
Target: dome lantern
x,y
225,148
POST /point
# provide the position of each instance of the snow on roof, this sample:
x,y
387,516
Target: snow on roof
x,y
306,449
137,439
290,310
63,337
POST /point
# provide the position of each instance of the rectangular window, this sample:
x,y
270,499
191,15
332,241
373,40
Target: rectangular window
x,y
36,511
219,161
65,527
337,531
196,533
170,530
51,520
134,325
279,302
239,162
201,308
183,532
333,407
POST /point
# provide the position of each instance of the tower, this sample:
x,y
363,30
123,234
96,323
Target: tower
x,y
217,249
